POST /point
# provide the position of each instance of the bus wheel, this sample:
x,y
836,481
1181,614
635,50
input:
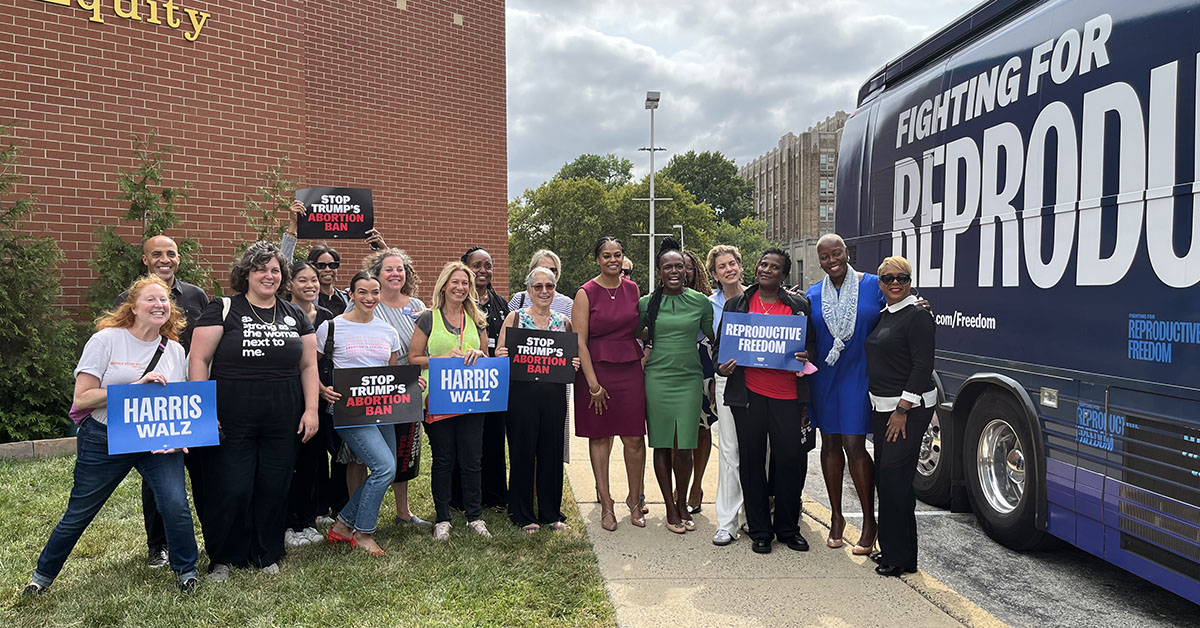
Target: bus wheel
x,y
932,482
1002,472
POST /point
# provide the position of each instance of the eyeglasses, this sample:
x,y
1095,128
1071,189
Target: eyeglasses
x,y
628,272
329,265
887,280
542,287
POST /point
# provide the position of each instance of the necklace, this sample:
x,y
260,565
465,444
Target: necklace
x,y
612,293
254,310
767,308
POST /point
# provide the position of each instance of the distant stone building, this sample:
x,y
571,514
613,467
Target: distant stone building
x,y
793,192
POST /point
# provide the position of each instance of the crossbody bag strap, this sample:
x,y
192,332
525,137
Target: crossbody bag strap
x,y
162,346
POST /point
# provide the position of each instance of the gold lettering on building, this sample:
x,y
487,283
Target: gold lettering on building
x,y
132,10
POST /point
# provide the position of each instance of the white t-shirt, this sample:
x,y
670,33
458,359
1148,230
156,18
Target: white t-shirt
x,y
357,345
115,356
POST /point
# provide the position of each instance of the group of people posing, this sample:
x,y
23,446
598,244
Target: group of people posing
x,y
646,368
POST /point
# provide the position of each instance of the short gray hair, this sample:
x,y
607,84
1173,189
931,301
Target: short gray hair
x,y
539,255
538,270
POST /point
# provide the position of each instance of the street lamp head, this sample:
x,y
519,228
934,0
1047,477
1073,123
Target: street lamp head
x,y
652,100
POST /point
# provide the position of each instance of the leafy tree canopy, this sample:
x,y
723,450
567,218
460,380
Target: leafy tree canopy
x,y
714,180
609,170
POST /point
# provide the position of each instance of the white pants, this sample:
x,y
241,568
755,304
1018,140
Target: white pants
x,y
729,483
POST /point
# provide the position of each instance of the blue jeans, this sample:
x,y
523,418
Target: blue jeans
x,y
375,445
97,475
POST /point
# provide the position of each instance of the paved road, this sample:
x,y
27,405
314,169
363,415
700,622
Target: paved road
x,y
1062,587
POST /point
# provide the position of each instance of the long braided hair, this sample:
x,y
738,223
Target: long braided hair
x,y
669,245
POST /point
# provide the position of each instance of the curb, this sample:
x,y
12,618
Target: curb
x,y
45,448
948,600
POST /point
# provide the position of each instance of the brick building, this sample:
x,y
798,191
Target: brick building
x,y
794,192
406,97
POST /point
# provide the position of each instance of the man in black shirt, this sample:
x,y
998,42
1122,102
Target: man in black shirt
x,y
160,254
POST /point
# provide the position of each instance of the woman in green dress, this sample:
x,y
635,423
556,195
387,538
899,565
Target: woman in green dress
x,y
671,318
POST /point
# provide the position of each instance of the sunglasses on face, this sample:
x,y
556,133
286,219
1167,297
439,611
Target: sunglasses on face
x,y
543,287
329,265
628,272
891,279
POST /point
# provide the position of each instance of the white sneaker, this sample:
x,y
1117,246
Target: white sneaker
x,y
271,569
292,539
479,527
325,521
441,531
722,538
219,573
312,535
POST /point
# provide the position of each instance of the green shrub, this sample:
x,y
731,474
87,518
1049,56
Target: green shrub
x,y
37,336
267,213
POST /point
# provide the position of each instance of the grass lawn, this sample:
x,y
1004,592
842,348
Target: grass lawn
x,y
548,579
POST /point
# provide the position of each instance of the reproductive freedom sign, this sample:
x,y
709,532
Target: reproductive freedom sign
x,y
335,213
150,417
456,388
762,340
377,396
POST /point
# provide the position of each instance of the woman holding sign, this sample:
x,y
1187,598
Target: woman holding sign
x,y
672,317
137,343
454,328
263,355
537,412
360,340
770,404
903,396
605,317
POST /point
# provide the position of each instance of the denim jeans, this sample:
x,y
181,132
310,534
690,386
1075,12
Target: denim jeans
x,y
375,445
97,475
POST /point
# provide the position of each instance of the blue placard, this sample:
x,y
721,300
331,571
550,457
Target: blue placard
x,y
762,340
149,417
455,388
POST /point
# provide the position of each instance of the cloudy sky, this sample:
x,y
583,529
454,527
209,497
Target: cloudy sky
x,y
734,75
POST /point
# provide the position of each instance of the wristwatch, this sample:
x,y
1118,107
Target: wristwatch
x,y
901,410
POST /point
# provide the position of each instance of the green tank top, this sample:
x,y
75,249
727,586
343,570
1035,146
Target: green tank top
x,y
443,341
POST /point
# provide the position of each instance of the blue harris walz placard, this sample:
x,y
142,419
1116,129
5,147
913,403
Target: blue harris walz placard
x,y
149,417
455,388
762,340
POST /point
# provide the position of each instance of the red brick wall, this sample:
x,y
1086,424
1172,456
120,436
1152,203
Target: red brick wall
x,y
356,93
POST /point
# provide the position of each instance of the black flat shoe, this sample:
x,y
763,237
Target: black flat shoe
x,y
876,557
33,589
796,543
894,571
762,547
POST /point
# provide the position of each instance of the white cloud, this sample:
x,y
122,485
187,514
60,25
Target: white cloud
x,y
735,76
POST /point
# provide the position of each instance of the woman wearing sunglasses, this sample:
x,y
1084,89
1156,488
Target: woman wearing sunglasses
x,y
327,261
903,395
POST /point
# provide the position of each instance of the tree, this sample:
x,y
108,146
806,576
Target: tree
x,y
117,262
750,239
266,210
37,336
610,170
714,180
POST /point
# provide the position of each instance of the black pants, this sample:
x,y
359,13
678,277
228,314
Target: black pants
x,y
332,494
458,440
534,423
156,533
780,421
249,473
310,476
895,468
492,468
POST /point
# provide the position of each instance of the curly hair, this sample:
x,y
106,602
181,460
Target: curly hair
x,y
125,315
256,257
697,270
374,264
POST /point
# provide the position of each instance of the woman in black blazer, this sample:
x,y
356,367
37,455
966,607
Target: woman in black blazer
x,y
903,396
771,403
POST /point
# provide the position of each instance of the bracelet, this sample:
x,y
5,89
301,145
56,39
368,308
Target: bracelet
x,y
599,389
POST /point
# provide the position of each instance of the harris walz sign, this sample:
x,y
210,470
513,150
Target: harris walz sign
x,y
335,213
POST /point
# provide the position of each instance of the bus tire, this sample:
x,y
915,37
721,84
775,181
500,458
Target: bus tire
x,y
932,481
1002,472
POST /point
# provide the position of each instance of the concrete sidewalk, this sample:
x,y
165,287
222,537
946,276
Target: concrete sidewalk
x,y
656,578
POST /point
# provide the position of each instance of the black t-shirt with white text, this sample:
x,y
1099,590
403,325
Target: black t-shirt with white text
x,y
257,344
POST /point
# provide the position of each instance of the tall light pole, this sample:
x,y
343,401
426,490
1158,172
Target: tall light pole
x,y
680,228
652,99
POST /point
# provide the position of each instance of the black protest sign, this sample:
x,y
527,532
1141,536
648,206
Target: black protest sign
x,y
541,356
377,396
335,213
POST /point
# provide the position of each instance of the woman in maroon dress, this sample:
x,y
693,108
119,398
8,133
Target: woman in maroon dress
x,y
605,317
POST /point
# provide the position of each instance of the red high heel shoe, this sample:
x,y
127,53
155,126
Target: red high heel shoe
x,y
334,538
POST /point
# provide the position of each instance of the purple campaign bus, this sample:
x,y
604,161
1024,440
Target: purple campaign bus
x,y
1038,163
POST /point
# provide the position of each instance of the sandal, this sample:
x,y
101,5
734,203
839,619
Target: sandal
x,y
334,538
835,542
558,526
531,528
608,520
642,504
636,516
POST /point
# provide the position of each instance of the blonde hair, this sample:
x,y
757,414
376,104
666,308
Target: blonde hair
x,y
374,264
898,262
539,255
469,306
710,263
124,316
